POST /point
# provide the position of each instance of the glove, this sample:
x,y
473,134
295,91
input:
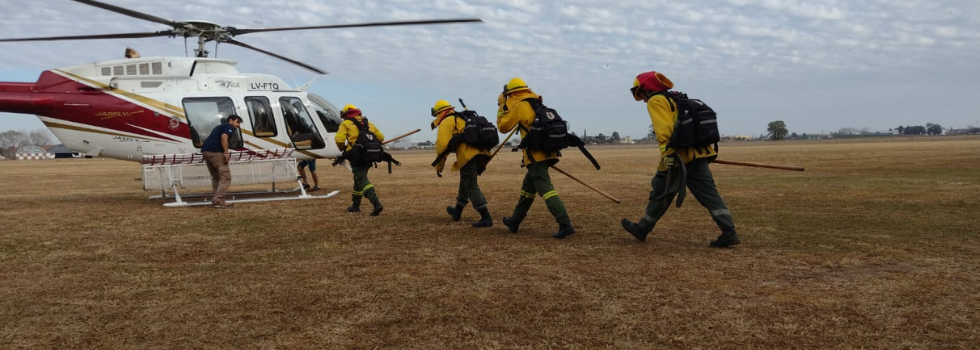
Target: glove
x,y
670,161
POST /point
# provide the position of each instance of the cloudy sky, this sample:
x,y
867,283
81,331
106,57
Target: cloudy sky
x,y
818,65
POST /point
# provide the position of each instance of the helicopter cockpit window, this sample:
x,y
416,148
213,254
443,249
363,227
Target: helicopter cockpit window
x,y
329,115
205,113
302,131
263,123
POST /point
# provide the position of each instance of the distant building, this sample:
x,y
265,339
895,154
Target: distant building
x,y
33,153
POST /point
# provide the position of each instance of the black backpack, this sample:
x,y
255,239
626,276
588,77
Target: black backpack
x,y
367,148
548,132
479,132
697,124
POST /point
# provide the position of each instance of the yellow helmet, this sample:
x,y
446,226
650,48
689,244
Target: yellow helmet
x,y
514,85
350,111
440,106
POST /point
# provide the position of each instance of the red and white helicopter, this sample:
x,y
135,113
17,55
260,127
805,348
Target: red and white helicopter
x,y
158,110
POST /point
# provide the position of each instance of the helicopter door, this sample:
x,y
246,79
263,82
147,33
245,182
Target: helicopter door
x,y
299,124
205,113
260,113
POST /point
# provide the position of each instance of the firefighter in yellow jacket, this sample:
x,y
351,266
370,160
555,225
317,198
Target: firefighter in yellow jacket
x,y
515,112
346,139
470,162
650,87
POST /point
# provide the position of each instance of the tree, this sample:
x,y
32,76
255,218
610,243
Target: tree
x,y
777,130
652,136
915,130
793,135
38,138
10,140
615,137
901,130
934,129
848,131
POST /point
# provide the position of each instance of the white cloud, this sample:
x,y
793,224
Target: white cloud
x,y
581,54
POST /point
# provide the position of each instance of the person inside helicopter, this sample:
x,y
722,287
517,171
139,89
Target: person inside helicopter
x,y
300,125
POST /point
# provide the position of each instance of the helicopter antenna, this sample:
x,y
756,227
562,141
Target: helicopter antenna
x,y
290,72
185,47
307,86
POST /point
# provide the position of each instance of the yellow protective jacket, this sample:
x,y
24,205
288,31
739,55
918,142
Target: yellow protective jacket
x,y
449,126
663,114
348,132
516,111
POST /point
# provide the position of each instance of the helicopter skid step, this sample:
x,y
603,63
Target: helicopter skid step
x,y
229,194
249,200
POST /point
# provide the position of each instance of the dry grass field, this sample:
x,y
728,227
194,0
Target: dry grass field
x,y
876,245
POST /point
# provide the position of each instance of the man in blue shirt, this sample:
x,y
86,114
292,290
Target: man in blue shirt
x,y
216,156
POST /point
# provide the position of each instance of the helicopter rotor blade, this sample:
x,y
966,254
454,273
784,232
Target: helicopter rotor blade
x,y
240,31
298,63
130,13
97,36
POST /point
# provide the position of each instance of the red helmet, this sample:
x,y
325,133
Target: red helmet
x,y
650,81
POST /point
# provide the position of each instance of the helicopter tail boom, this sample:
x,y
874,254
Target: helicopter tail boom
x,y
17,97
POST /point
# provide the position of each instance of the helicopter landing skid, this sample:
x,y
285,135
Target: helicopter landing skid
x,y
176,177
181,203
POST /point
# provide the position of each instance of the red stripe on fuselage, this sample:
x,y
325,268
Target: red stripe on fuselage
x,y
62,98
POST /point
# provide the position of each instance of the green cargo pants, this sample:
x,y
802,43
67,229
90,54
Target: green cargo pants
x,y
537,181
702,186
363,186
469,188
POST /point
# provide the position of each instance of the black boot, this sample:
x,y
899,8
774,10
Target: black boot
x,y
564,230
511,225
354,209
377,210
727,239
634,230
455,212
485,219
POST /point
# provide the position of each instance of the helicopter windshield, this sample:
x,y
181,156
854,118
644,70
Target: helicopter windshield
x,y
329,115
299,124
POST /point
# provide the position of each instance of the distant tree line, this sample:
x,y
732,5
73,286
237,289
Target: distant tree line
x,y
12,140
929,129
